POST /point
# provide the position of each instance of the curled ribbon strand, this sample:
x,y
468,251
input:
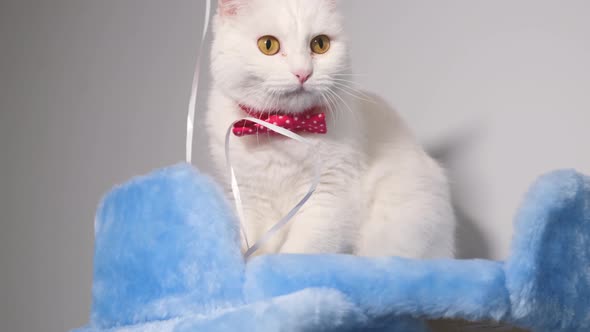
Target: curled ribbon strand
x,y
192,105
236,191
234,183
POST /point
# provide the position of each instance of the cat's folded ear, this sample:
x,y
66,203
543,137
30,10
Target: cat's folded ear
x,y
333,4
229,7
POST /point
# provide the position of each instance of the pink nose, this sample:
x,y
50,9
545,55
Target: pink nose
x,y
302,76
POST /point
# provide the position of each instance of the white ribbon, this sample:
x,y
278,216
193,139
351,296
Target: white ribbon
x,y
234,183
190,123
236,191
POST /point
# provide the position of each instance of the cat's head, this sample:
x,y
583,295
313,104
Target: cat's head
x,y
279,54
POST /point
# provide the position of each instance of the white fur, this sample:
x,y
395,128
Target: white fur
x,y
380,193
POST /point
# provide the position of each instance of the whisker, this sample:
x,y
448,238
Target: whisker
x,y
354,115
330,108
350,75
352,92
355,89
334,105
345,80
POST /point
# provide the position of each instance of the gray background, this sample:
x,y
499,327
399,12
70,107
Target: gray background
x,y
94,92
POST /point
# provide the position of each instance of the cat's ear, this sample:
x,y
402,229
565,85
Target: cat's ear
x,y
229,7
333,4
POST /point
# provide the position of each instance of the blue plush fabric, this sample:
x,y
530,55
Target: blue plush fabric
x,y
166,246
167,258
548,273
381,287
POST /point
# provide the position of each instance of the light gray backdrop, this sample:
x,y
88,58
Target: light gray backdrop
x,y
94,92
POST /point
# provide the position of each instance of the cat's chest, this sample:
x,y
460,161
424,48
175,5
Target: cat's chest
x,y
274,161
277,165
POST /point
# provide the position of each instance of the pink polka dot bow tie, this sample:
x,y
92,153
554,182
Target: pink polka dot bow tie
x,y
309,121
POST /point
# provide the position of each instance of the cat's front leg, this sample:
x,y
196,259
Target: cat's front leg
x,y
259,216
326,224
409,222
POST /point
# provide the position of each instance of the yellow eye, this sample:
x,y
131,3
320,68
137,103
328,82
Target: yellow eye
x,y
269,45
320,44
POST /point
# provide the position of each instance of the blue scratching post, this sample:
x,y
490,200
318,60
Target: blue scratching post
x,y
167,258
165,246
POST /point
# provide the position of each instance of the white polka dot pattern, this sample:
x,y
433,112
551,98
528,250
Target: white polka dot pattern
x,y
308,122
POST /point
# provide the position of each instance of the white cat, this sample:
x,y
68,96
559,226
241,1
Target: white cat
x,y
380,193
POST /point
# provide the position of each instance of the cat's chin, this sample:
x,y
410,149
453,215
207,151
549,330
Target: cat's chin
x,y
298,103
291,103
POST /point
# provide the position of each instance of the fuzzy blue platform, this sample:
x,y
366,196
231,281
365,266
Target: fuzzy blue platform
x,y
167,258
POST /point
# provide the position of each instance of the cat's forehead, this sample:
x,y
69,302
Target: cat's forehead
x,y
289,16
